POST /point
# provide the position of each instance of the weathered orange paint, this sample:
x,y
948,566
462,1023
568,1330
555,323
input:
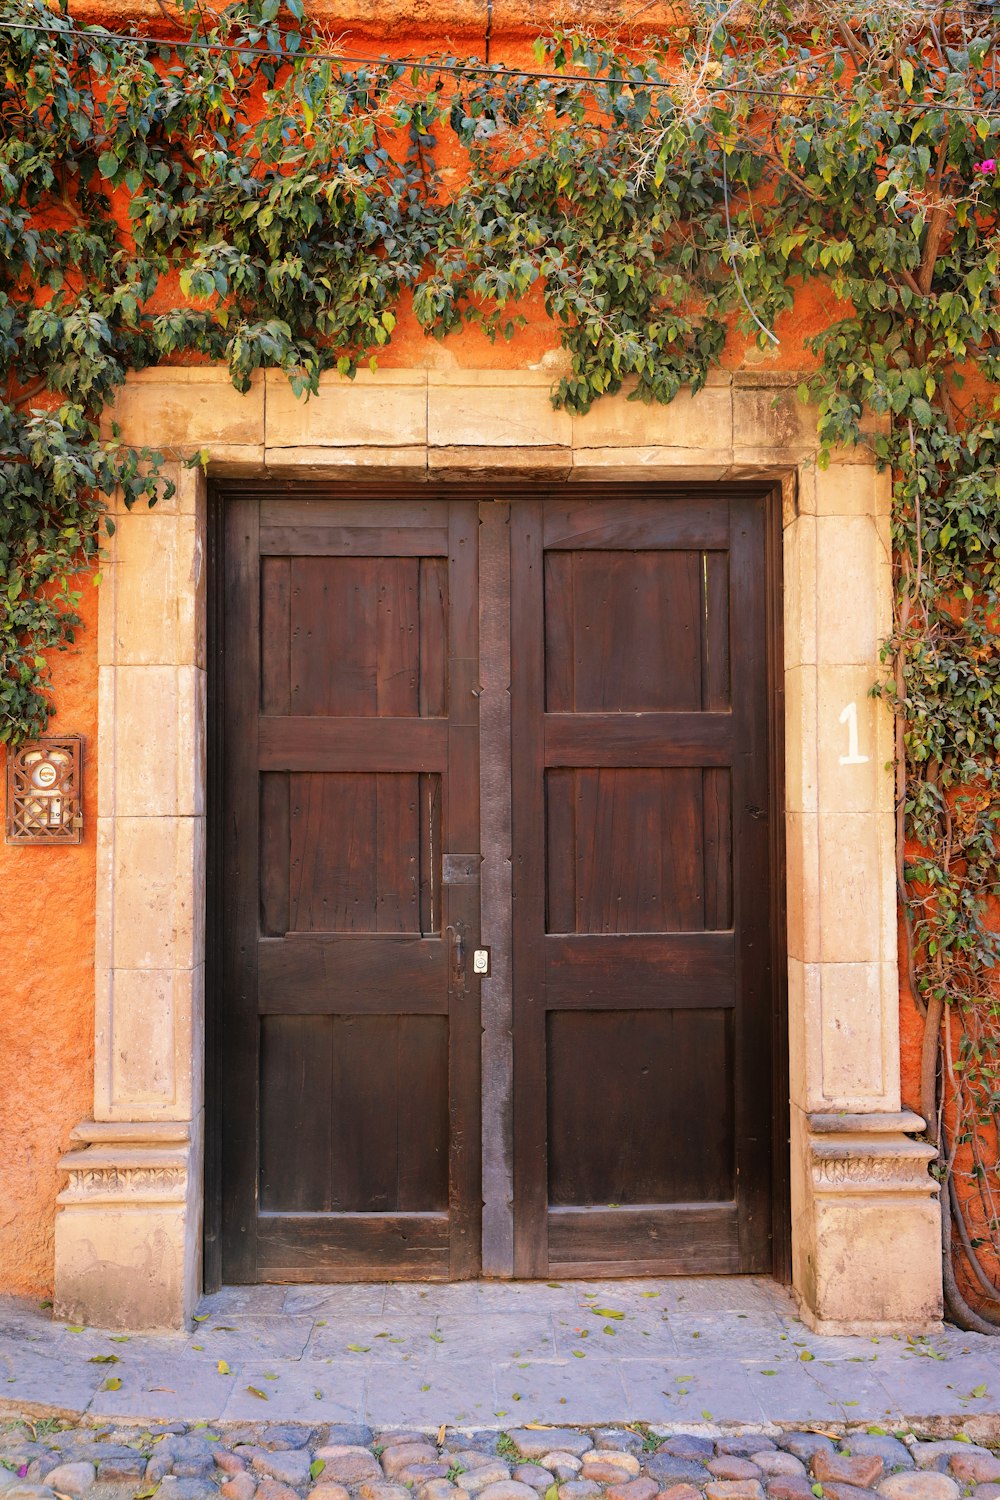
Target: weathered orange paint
x,y
47,940
47,946
47,992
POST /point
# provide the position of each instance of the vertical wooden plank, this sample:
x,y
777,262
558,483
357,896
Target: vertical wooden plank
x,y
397,853
717,834
597,582
397,636
462,920
364,1107
429,792
560,631
495,889
422,1150
275,634
561,851
275,698
275,853
432,703
240,853
715,688
433,645
751,895
587,804
295,1113
528,867
680,820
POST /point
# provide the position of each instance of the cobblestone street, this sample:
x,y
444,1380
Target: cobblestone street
x,y
267,1461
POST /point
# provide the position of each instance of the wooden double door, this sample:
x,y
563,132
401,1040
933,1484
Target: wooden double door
x,y
494,845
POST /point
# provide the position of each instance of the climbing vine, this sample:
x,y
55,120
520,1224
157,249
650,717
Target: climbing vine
x,y
241,194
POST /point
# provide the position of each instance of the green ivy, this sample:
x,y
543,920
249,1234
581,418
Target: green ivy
x,y
654,197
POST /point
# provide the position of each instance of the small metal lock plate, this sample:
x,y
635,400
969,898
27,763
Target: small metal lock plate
x,y
481,962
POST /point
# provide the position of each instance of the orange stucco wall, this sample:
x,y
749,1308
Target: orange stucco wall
x,y
47,993
47,942
48,895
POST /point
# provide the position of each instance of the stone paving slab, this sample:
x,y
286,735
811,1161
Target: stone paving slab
x,y
681,1353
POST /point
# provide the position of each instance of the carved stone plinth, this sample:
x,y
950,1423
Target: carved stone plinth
x,y
125,1253
867,1250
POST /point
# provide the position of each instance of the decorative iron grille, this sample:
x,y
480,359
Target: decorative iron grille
x,y
45,792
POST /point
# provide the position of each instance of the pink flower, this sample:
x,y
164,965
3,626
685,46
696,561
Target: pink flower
x,y
987,166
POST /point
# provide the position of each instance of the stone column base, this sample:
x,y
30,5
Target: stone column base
x,y
128,1227
868,1233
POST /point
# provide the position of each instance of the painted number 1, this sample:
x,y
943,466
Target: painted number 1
x,y
849,716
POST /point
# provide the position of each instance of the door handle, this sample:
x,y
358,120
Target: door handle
x,y
456,978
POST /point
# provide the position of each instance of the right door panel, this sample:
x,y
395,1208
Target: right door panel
x,y
642,984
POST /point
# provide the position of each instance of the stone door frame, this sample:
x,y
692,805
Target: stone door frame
x,y
864,1211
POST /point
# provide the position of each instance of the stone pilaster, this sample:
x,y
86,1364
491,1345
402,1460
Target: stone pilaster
x,y
866,1224
128,1242
128,1225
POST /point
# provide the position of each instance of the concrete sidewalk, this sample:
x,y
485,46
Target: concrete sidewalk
x,y
672,1353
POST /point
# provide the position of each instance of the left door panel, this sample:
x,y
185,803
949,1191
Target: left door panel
x,y
350,1038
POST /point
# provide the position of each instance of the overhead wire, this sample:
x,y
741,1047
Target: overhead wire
x,y
458,69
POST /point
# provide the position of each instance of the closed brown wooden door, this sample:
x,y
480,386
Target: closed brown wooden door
x,y
642,1002
631,1120
349,1044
